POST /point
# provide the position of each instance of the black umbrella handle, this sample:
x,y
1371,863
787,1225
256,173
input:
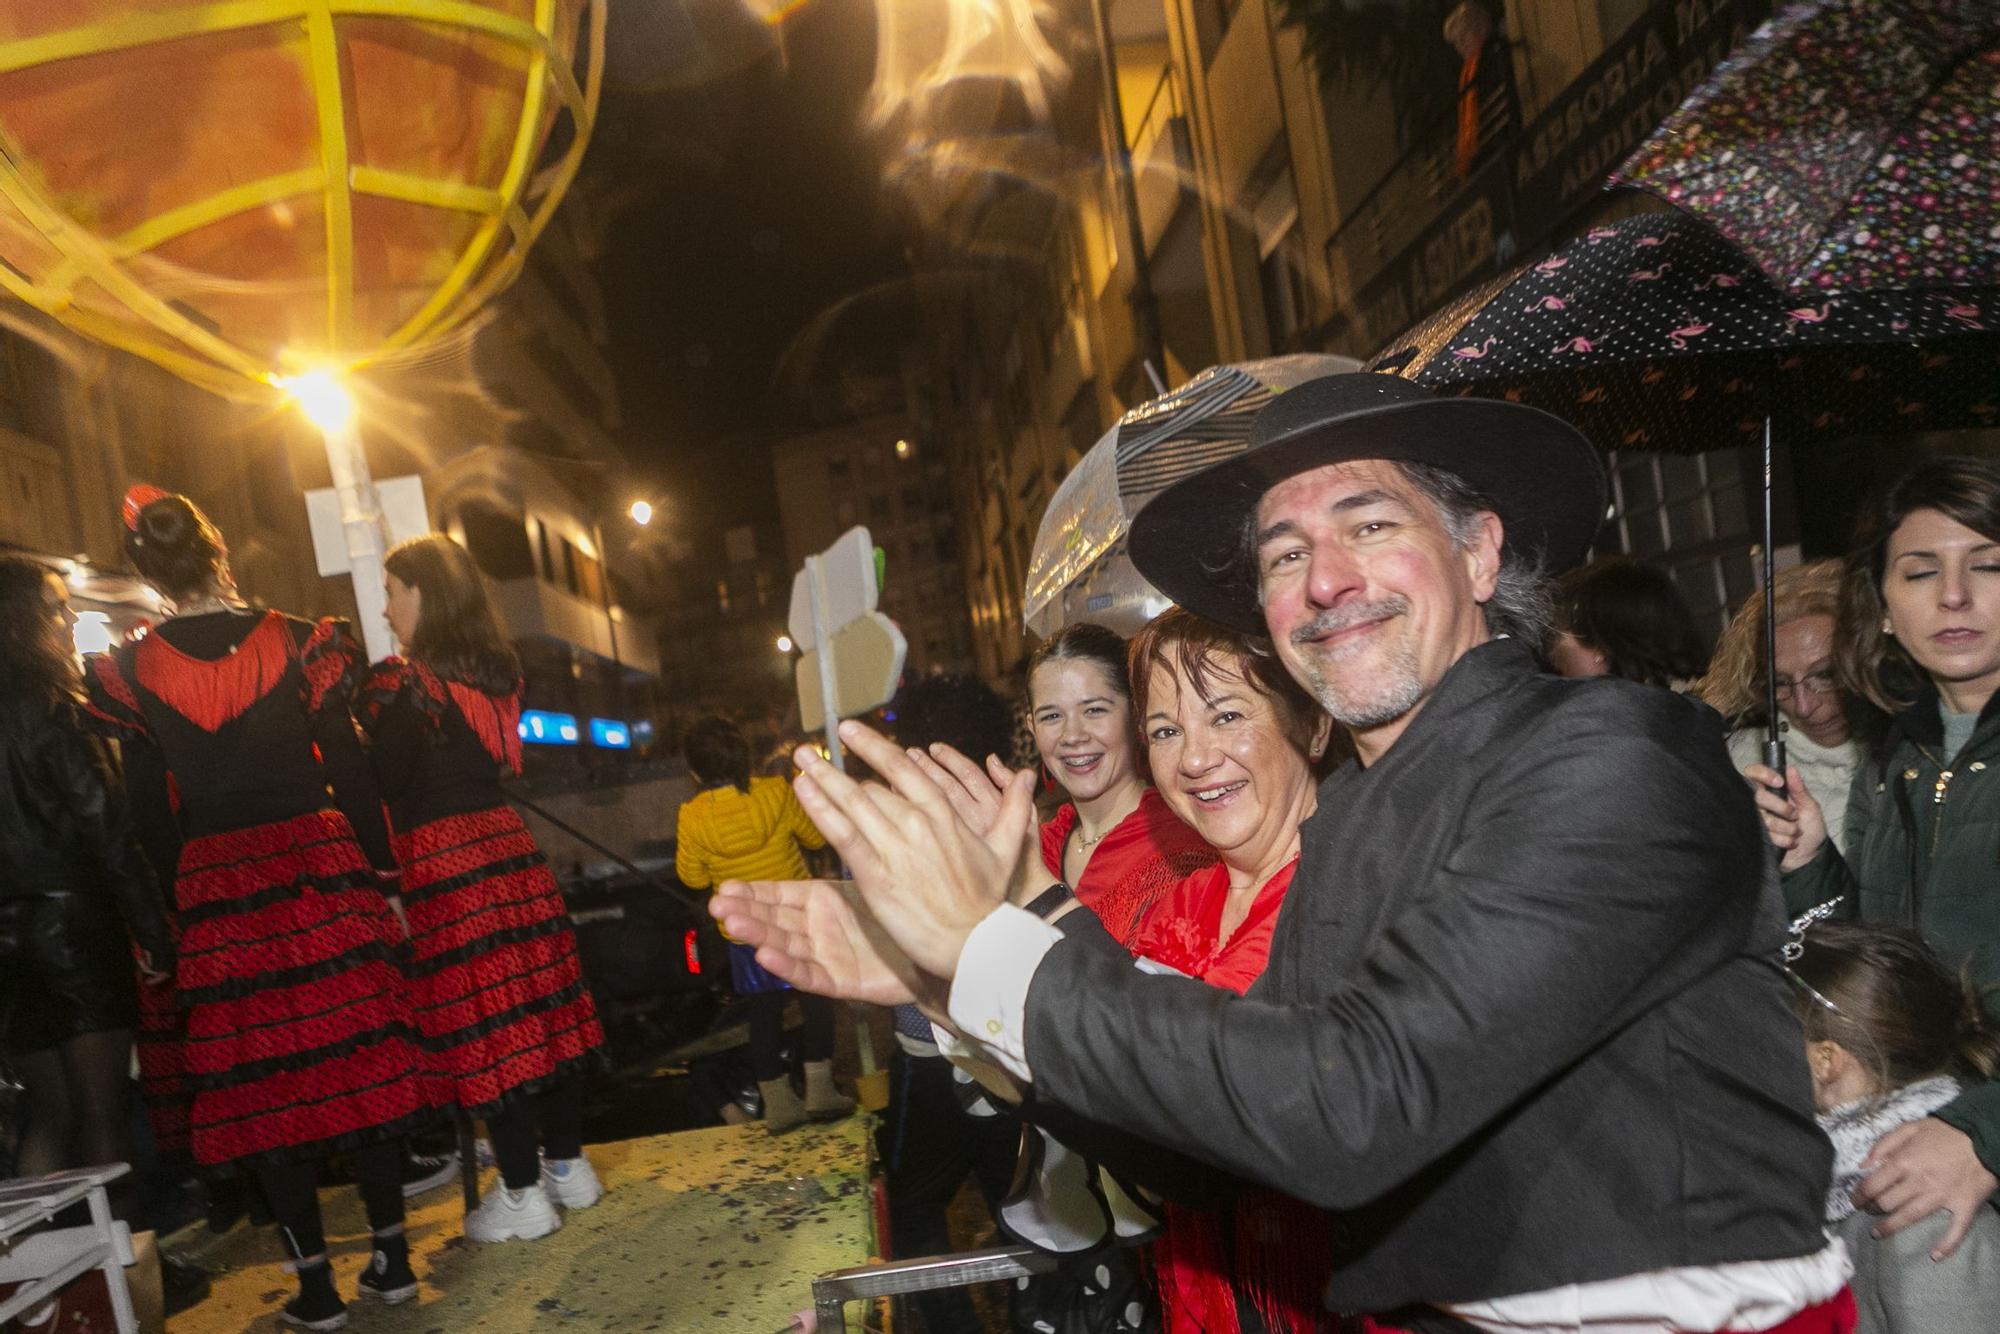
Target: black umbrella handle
x,y
1774,748
1774,760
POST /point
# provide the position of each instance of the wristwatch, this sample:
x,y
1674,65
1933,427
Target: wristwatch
x,y
1044,904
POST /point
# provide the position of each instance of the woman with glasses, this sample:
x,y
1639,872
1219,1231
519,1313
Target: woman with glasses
x,y
1816,717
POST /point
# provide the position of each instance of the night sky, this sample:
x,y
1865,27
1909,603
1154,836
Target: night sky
x,y
738,198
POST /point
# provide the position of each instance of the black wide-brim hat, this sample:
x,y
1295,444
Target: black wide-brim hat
x,y
1534,470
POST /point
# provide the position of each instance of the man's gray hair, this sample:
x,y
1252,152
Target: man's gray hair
x,y
1520,608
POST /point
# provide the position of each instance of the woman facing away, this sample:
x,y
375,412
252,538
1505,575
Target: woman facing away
x,y
737,827
1890,1034
76,894
1919,637
1115,842
295,1040
1620,617
496,986
1816,716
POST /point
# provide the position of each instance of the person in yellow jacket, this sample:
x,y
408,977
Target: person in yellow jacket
x,y
741,828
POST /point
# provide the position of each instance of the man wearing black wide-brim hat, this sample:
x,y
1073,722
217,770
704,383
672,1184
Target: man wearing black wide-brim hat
x,y
1522,1025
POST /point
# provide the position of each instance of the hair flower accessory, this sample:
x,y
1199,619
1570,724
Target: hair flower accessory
x,y
137,499
1796,946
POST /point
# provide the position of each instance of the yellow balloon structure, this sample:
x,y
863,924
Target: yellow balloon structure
x,y
241,190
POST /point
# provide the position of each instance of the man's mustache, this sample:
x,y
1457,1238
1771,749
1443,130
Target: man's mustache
x,y
1335,619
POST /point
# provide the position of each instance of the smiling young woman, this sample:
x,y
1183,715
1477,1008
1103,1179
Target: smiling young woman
x,y
1114,842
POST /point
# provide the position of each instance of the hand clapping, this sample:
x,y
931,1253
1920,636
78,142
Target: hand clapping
x,y
926,875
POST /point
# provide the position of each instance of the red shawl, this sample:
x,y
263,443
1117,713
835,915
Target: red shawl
x,y
1283,1249
1145,855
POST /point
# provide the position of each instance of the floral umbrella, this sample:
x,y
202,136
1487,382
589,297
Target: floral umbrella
x,y
1849,144
1654,333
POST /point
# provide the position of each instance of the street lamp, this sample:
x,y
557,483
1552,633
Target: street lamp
x,y
641,512
323,398
784,643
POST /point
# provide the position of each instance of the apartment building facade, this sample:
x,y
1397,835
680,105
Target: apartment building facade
x,y
1274,207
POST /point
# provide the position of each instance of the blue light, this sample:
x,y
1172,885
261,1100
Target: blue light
x,y
541,728
610,734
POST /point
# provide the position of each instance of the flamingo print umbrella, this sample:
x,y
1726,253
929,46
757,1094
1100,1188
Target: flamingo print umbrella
x,y
1654,333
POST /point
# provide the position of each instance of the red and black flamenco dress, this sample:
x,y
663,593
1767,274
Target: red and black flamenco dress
x,y
496,984
286,1034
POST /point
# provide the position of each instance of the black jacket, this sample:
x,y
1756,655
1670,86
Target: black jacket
x,y
63,822
1522,1024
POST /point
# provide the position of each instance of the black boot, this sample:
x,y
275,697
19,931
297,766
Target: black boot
x,y
318,1306
388,1277
181,1284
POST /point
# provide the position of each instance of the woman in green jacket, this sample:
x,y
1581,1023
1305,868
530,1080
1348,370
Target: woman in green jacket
x,y
1920,637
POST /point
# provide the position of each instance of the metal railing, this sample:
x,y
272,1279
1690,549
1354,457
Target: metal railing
x,y
832,1292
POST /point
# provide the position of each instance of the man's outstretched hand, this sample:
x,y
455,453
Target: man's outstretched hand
x,y
809,933
1919,1168
926,875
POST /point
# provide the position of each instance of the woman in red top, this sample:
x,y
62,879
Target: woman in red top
x,y
291,1039
1232,740
495,982
1114,842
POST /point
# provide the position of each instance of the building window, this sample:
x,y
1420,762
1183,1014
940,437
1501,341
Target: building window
x,y
547,567
498,542
1274,222
1691,516
581,573
1211,24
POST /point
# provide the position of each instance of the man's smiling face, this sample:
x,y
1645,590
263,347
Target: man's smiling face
x,y
1366,594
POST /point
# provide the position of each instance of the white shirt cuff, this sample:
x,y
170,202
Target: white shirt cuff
x,y
989,996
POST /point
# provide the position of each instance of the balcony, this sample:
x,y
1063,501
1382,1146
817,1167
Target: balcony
x,y
1447,215
1162,161
532,608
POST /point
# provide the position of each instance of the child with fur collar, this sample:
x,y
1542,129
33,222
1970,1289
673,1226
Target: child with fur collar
x,y
1889,1034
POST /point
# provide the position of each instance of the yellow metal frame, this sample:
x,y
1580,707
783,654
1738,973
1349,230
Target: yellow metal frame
x,y
162,333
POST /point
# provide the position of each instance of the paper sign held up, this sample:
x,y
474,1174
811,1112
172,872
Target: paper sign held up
x,y
868,662
852,587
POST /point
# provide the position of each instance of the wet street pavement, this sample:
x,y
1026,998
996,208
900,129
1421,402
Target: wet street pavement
x,y
718,1229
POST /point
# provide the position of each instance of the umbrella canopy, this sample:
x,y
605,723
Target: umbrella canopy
x,y
1848,144
1079,570
1653,333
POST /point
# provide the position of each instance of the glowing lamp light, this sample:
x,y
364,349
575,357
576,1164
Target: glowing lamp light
x,y
641,512
266,185
784,643
903,449
610,734
323,399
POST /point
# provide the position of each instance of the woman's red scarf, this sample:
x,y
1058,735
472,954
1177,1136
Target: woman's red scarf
x,y
1143,857
1279,1251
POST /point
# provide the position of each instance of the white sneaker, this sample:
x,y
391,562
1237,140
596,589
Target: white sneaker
x,y
572,1181
512,1215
